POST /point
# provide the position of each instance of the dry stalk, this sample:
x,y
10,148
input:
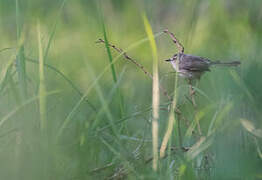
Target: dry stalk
x,y
191,91
164,91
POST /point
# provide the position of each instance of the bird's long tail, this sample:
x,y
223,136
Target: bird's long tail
x,y
233,63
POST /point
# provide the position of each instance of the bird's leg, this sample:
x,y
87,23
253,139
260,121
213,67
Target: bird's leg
x,y
175,40
192,92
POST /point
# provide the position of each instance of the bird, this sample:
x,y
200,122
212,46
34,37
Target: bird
x,y
193,67
190,66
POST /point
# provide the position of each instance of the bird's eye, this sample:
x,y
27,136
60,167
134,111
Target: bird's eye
x,y
174,57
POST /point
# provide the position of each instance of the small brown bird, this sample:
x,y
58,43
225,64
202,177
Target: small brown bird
x,y
192,67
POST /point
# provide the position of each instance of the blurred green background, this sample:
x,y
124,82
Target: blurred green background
x,y
69,119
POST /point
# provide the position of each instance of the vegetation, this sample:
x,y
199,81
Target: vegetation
x,y
73,108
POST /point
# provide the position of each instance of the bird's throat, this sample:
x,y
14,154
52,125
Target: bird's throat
x,y
174,64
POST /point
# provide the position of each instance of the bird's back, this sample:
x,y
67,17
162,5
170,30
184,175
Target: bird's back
x,y
193,63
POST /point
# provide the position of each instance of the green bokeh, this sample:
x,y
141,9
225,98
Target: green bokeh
x,y
78,140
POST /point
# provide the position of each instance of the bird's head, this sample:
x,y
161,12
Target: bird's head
x,y
173,58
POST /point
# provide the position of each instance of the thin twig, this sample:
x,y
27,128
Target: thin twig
x,y
191,91
175,40
179,132
173,150
137,64
96,170
4,49
171,118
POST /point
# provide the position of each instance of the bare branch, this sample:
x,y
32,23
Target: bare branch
x,y
175,40
138,65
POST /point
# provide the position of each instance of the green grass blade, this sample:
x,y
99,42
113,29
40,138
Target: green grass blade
x,y
13,89
17,109
66,79
241,84
51,37
5,49
42,88
201,145
250,127
126,165
2,135
21,69
103,102
135,114
5,73
112,67
92,85
155,93
18,25
20,59
109,53
171,123
108,100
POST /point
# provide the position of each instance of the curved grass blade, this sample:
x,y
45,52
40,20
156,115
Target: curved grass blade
x,y
42,88
202,144
51,37
155,93
66,79
112,66
103,102
14,111
20,58
5,73
5,49
73,111
249,126
109,99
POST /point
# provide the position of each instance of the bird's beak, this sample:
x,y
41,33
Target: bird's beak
x,y
168,60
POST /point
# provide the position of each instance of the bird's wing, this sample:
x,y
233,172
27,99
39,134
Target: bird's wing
x,y
193,63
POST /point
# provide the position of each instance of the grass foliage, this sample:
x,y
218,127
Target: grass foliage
x,y
72,108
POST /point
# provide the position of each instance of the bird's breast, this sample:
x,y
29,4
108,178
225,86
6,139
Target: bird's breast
x,y
175,65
